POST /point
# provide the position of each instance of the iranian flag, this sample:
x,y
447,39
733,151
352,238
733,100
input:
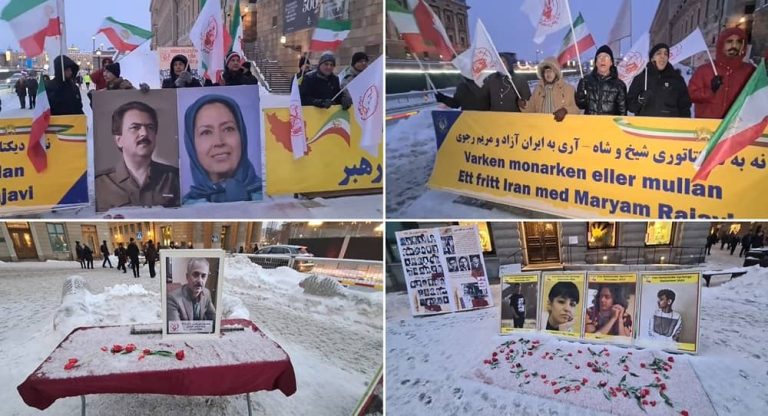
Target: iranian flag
x,y
41,118
745,122
31,22
207,35
432,30
123,36
580,39
333,26
236,31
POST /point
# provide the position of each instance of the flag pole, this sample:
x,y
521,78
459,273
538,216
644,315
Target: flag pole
x,y
421,66
573,36
63,37
710,61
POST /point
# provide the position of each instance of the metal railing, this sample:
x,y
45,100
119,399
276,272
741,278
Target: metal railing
x,y
634,255
365,273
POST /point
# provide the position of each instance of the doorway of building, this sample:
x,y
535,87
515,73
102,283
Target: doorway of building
x,y
542,242
91,239
23,243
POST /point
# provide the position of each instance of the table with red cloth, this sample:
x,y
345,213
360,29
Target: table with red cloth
x,y
237,362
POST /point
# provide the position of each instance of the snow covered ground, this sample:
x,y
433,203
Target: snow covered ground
x,y
335,344
430,360
282,206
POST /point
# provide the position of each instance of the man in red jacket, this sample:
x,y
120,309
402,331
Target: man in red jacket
x,y
97,76
713,95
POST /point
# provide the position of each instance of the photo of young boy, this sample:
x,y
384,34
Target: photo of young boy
x,y
669,311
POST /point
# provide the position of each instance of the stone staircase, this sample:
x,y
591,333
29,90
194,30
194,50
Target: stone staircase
x,y
270,73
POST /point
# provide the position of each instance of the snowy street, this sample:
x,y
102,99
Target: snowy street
x,y
432,362
334,343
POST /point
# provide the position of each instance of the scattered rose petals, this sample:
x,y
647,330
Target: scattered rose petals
x,y
180,355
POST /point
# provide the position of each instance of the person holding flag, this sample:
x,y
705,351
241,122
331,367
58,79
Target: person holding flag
x,y
660,90
715,85
180,76
63,93
320,87
235,74
601,91
504,96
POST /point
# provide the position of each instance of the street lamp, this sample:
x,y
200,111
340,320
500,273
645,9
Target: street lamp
x,y
98,57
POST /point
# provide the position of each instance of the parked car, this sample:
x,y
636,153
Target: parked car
x,y
300,263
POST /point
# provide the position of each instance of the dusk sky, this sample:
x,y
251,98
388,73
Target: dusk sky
x,y
511,30
83,18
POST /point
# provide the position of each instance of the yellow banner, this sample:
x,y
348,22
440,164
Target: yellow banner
x,y
63,182
520,278
335,160
595,166
683,278
611,277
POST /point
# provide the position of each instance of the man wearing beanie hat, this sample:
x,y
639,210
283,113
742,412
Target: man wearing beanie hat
x,y
235,74
320,87
114,82
713,94
180,76
359,63
502,93
601,91
660,90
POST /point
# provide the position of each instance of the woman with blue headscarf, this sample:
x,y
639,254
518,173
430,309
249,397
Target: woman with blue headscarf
x,y
217,144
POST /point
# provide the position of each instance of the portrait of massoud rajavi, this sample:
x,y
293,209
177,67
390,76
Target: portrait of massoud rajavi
x,y
191,295
221,145
136,149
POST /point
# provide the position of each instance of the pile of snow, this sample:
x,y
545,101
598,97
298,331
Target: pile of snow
x,y
428,358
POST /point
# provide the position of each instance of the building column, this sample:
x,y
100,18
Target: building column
x,y
8,242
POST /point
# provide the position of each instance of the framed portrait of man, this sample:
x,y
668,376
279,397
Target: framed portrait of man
x,y
191,290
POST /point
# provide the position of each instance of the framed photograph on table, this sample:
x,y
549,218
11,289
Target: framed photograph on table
x,y
191,288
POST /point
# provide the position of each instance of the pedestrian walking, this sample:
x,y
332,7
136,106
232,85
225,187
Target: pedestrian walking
x,y
88,256
150,255
122,257
105,252
79,254
133,255
21,91
32,91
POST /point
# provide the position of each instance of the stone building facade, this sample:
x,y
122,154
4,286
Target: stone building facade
x,y
49,240
455,18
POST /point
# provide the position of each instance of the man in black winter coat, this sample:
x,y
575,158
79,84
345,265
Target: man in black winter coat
x,y
468,97
32,91
660,90
601,91
321,85
180,77
21,91
746,244
105,253
235,74
63,94
133,253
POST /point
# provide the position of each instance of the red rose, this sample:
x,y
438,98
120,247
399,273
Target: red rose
x,y
180,355
653,403
147,351
663,386
671,359
645,392
530,353
570,355
629,353
554,383
589,364
551,357
141,357
557,391
607,354
645,402
602,383
527,375
543,376
642,365
577,366
584,381
70,365
130,348
72,360
626,367
494,354
104,349
684,413
613,394
577,387
116,348
579,351
518,365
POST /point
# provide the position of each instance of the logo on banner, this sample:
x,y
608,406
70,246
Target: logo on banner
x,y
442,124
124,34
481,60
631,64
550,15
369,102
295,119
209,35
674,51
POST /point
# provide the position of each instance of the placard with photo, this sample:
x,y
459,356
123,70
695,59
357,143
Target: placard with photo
x,y
466,269
424,271
610,307
519,301
561,300
670,310
191,289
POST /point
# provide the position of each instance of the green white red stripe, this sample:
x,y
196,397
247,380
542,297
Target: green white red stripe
x,y
337,123
31,22
745,122
329,34
124,37
236,31
406,26
41,118
583,38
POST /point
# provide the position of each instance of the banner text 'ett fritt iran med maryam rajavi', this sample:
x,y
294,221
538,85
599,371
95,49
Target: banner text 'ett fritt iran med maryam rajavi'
x,y
596,166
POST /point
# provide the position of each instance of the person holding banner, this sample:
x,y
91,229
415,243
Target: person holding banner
x,y
504,96
320,87
468,96
180,76
601,91
660,90
216,141
714,86
552,95
63,94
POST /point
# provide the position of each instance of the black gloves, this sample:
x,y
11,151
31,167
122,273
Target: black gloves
x,y
346,101
644,97
560,114
717,81
441,98
324,103
581,95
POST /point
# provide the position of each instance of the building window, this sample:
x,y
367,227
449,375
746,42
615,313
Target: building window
x,y
58,238
601,234
486,236
659,233
274,21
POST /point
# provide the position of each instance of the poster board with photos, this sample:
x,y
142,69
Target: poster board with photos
x,y
466,271
610,307
670,311
424,271
519,300
560,302
187,275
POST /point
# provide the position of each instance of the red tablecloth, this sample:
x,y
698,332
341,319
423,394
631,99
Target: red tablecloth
x,y
228,372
